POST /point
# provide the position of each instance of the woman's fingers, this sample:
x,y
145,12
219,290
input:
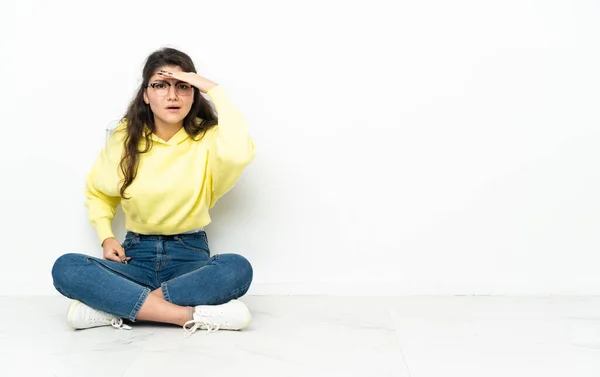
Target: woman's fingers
x,y
202,83
165,73
118,258
113,257
114,251
183,76
121,254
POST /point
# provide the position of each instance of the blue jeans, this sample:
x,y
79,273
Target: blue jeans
x,y
179,264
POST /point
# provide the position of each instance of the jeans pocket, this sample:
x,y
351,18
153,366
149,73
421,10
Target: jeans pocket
x,y
196,243
128,242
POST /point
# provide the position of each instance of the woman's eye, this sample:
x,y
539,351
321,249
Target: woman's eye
x,y
183,86
160,86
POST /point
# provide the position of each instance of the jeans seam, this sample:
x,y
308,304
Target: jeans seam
x,y
236,293
115,273
165,291
143,296
139,304
165,254
157,265
186,274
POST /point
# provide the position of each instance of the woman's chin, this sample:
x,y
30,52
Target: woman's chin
x,y
172,119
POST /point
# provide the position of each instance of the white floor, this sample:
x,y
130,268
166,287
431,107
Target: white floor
x,y
320,336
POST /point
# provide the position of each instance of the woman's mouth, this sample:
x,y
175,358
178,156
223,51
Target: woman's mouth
x,y
173,109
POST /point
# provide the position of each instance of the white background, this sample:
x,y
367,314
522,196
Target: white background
x,y
404,147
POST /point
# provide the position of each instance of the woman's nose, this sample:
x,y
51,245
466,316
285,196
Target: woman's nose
x,y
172,92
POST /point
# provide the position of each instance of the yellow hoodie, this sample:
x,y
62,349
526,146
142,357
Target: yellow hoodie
x,y
177,181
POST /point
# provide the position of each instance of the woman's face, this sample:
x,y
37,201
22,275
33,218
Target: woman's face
x,y
170,100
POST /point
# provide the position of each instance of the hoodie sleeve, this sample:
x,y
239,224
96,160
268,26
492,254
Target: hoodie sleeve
x,y
101,190
232,148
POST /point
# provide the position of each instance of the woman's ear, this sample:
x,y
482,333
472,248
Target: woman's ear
x,y
146,100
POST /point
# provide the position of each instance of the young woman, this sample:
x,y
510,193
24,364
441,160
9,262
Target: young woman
x,y
167,163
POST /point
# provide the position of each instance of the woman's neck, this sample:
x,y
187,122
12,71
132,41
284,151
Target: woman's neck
x,y
165,130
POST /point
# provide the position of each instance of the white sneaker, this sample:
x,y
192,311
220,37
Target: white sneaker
x,y
233,315
81,316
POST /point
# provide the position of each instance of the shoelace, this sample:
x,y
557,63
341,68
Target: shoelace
x,y
200,322
97,316
117,323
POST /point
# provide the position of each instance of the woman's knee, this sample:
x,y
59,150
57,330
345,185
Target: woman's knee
x,y
65,268
239,267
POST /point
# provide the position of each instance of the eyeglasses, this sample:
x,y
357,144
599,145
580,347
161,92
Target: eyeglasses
x,y
162,88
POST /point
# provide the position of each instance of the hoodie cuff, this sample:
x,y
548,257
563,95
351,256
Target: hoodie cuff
x,y
104,230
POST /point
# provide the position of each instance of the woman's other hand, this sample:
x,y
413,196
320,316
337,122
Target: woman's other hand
x,y
114,251
202,83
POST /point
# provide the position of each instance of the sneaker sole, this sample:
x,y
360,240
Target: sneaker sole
x,y
72,308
